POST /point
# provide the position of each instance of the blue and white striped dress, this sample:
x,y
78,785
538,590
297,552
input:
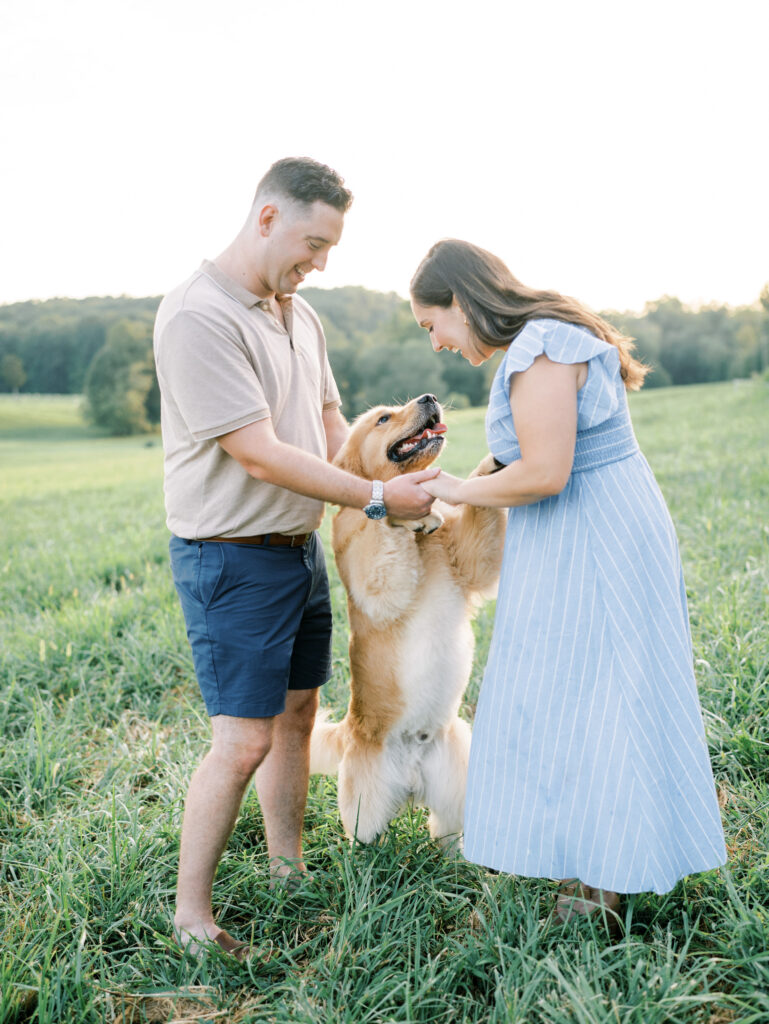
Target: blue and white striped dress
x,y
588,755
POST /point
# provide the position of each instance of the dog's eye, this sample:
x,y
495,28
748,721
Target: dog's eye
x,y
383,419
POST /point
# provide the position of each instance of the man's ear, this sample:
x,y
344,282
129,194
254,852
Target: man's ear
x,y
267,219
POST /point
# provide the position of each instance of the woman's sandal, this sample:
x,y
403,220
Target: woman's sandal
x,y
603,907
223,941
240,950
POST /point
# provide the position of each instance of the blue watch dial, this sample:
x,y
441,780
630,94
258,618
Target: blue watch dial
x,y
375,510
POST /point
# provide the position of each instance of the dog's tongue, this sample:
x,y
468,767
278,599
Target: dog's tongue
x,y
439,428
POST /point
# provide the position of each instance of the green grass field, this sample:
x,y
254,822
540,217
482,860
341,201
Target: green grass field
x,y
102,727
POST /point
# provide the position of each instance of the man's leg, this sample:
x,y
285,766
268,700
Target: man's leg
x,y
282,781
213,800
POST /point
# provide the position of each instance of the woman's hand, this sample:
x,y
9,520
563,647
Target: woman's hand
x,y
445,487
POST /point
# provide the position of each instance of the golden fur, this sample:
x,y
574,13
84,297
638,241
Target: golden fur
x,y
411,588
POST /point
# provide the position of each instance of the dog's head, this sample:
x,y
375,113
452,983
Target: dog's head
x,y
392,439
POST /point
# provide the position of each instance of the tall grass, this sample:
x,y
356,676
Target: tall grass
x,y
102,727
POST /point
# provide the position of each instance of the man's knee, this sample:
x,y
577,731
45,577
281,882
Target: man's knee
x,y
300,711
240,745
241,761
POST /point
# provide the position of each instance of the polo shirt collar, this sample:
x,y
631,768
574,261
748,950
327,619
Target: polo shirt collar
x,y
237,291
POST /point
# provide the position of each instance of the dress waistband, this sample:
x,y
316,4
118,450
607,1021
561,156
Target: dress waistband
x,y
611,441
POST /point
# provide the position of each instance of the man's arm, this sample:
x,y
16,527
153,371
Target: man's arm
x,y
336,428
267,458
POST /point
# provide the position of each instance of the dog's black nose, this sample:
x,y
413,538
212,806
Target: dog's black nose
x,y
427,399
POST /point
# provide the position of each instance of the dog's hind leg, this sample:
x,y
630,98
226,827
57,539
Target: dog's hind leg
x,y
445,780
370,794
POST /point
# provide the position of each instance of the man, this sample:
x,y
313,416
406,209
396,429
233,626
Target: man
x,y
251,420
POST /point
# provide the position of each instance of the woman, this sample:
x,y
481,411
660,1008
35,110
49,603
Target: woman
x,y
588,760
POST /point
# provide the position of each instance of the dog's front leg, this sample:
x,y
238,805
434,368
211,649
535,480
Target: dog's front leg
x,y
477,539
380,568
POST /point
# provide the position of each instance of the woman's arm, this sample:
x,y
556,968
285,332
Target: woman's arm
x,y
545,401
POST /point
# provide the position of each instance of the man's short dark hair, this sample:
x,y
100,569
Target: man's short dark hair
x,y
305,181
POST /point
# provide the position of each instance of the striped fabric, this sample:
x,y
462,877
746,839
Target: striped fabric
x,y
588,756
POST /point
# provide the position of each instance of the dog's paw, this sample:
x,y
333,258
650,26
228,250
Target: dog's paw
x,y
486,466
432,522
429,524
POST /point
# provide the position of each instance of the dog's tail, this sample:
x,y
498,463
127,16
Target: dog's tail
x,y
326,745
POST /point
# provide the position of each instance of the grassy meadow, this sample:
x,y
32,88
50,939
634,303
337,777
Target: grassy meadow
x,y
102,726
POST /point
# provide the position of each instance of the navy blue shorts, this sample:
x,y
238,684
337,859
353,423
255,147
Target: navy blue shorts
x,y
258,621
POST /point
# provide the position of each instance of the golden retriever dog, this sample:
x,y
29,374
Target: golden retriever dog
x,y
411,588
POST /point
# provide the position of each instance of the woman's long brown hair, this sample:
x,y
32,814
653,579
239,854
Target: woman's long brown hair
x,y
498,306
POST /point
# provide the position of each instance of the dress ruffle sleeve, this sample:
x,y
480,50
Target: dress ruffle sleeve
x,y
561,342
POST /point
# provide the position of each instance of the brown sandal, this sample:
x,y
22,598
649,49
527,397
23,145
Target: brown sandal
x,y
571,892
241,951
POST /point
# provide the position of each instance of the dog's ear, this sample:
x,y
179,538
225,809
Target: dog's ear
x,y
348,457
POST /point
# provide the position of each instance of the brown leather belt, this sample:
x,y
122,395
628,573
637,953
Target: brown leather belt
x,y
280,540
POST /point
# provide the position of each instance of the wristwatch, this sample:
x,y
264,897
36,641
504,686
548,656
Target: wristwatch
x,y
376,507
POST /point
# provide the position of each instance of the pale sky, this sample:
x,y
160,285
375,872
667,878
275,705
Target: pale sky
x,y
613,150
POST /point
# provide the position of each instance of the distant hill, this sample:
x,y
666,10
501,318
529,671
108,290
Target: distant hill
x,y
21,315
376,350
352,310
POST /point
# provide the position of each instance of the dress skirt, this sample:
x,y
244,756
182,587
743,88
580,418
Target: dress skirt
x,y
588,755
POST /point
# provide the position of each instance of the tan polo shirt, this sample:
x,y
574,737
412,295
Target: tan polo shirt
x,y
224,361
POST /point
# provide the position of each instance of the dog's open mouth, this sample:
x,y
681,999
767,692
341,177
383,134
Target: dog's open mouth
x,y
430,434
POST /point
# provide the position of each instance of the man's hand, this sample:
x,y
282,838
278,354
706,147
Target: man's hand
x,y
405,497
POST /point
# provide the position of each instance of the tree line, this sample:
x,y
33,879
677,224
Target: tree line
x,y
102,348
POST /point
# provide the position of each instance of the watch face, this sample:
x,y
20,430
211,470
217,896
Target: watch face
x,y
375,511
